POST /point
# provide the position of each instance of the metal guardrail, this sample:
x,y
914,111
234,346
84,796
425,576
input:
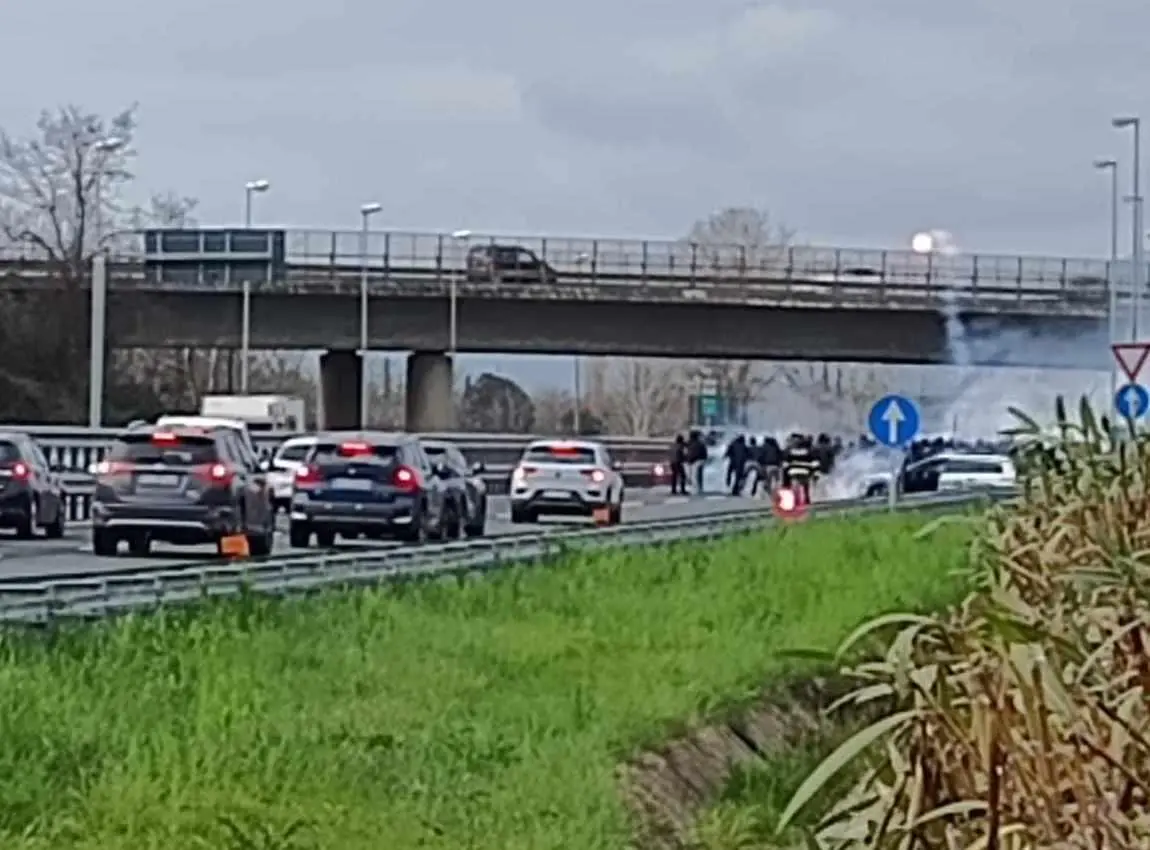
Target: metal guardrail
x,y
74,450
677,269
115,592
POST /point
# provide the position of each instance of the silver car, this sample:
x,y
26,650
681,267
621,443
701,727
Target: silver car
x,y
566,478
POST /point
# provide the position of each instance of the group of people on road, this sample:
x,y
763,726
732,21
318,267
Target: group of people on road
x,y
754,465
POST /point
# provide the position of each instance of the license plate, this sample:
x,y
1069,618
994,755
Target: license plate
x,y
351,484
557,494
146,479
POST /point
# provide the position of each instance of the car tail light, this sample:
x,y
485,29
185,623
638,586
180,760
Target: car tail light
x,y
112,468
307,475
357,449
407,479
522,472
659,470
21,471
597,476
164,438
215,474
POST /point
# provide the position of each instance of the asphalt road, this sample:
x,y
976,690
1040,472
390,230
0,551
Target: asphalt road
x,y
73,554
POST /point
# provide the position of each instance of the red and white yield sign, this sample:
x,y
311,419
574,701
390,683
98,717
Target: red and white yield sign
x,y
1131,357
789,503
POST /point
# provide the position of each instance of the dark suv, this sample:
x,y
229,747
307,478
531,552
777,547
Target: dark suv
x,y
507,264
465,484
368,485
180,485
31,495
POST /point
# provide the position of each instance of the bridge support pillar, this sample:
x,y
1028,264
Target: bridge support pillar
x,y
339,379
430,401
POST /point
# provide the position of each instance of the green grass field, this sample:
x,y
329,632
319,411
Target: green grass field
x,y
482,714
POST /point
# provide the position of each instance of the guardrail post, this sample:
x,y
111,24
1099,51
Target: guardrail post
x,y
439,257
387,256
974,272
643,262
1064,279
332,256
790,263
694,261
594,258
929,270
543,249
882,271
742,261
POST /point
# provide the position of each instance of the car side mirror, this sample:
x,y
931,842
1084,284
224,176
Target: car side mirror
x,y
478,469
617,466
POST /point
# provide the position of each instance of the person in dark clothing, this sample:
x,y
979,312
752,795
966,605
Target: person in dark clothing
x,y
800,465
824,454
696,459
753,468
771,460
736,457
679,466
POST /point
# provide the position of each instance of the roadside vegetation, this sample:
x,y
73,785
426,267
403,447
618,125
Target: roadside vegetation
x,y
470,714
1016,719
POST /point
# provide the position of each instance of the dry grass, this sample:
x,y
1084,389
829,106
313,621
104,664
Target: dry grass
x,y
1020,718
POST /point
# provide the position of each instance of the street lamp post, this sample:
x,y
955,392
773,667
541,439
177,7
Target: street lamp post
x,y
1111,165
366,211
1138,272
98,305
250,188
462,238
577,408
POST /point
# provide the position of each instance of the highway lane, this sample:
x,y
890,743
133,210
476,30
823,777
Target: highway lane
x,y
73,553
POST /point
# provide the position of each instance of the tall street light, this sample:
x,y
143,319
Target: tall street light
x,y
366,211
1138,274
250,188
577,407
97,328
1111,165
462,238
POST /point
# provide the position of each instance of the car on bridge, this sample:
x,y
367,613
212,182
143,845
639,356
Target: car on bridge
x,y
181,485
31,494
507,264
374,485
566,478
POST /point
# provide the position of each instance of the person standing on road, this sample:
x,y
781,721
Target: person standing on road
x,y
696,459
679,466
736,457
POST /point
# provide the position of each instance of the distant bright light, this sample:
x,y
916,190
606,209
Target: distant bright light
x,y
922,243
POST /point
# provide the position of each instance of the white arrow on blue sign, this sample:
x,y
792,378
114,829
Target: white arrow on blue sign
x,y
894,420
1132,401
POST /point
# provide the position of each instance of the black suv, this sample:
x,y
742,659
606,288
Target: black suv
x,y
368,485
465,485
507,264
180,485
31,495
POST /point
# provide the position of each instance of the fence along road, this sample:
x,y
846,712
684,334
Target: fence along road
x,y
73,451
108,594
36,560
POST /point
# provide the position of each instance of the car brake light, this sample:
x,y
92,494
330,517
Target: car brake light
x,y
354,449
522,472
307,475
112,467
215,474
407,479
21,471
564,451
164,437
659,470
596,475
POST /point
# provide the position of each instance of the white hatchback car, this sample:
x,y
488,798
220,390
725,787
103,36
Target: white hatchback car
x,y
566,478
281,471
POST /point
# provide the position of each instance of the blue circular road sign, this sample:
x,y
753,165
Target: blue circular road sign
x,y
1132,401
894,420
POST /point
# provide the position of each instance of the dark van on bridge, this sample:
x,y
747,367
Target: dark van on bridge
x,y
507,264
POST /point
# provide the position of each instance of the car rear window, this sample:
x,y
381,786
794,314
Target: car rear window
x,y
9,453
343,452
294,453
181,450
578,455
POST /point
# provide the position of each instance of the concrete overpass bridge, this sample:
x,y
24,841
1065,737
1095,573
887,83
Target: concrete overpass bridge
x,y
598,297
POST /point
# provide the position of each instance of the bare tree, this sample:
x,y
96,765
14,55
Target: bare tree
x,y
638,397
740,241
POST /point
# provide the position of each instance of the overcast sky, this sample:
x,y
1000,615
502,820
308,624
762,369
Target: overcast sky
x,y
855,122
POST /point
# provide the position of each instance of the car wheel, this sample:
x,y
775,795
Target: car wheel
x,y
521,515
615,514
325,539
416,533
104,543
26,529
260,543
299,535
139,545
57,528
